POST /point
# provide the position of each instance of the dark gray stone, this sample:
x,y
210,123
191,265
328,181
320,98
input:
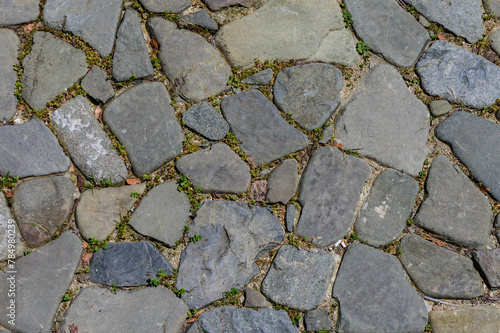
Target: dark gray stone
x,y
154,310
195,328
88,145
233,237
144,121
174,6
257,122
326,135
218,4
8,229
309,93
260,78
390,202
492,6
254,299
42,279
458,75
204,119
388,30
497,222
195,67
97,85
216,170
282,182
15,12
200,18
235,320
162,214
8,76
383,113
50,68
131,54
329,192
291,212
316,320
489,263
366,278
439,108
454,208
484,319
41,206
439,272
96,22
466,134
289,280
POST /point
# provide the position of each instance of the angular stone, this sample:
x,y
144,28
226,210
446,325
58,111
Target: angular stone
x,y
291,211
195,328
189,61
16,12
204,119
42,279
283,182
131,56
339,45
492,6
216,170
439,272
326,135
96,22
329,192
257,122
440,107
458,75
484,319
299,27
390,202
200,18
233,237
454,208
289,281
316,320
383,113
494,37
218,4
366,277
489,263
9,231
261,78
155,310
41,153
388,30
173,6
254,299
462,17
144,121
88,145
99,210
97,85
8,76
466,133
309,93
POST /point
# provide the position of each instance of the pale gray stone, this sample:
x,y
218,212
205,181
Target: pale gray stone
x,y
326,135
9,231
291,211
219,4
200,18
494,38
439,107
18,12
254,299
492,6
282,182
173,6
204,119
338,46
484,319
8,58
97,85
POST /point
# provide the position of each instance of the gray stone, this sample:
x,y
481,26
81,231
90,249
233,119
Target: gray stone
x,y
388,30
155,310
144,121
254,299
9,231
439,107
42,279
326,135
237,320
494,38
96,22
329,192
233,237
163,213
255,121
489,263
216,170
17,12
173,6
41,206
99,210
383,113
390,202
50,68
492,6
423,21
88,145
289,280
204,119
195,328
303,29
484,319
41,153
316,320
218,4
462,17
97,85
458,75
261,78
8,76
309,93
497,221
131,56
195,67
282,182
291,212
439,272
128,264
368,276
200,18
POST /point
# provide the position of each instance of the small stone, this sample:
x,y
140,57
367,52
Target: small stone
x,y
200,18
283,182
97,85
261,78
218,4
8,227
204,119
422,20
494,38
8,76
15,12
316,320
439,107
326,135
258,191
484,319
159,6
291,212
254,299
489,263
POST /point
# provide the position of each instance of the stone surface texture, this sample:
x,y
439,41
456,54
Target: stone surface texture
x,y
261,78
254,299
282,182
492,6
316,320
439,107
17,12
489,265
8,76
200,18
484,319
97,85
174,6
204,119
291,212
8,227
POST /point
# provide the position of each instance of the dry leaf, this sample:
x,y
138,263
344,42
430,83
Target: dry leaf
x,y
338,145
86,257
71,169
484,189
28,28
10,194
85,245
133,181
73,328
154,44
98,113
441,37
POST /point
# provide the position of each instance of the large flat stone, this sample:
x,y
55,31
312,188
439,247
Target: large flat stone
x,y
339,45
8,76
362,287
173,6
42,279
454,208
204,119
385,121
11,246
50,68
233,237
329,192
144,121
257,122
489,264
484,319
17,12
282,182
